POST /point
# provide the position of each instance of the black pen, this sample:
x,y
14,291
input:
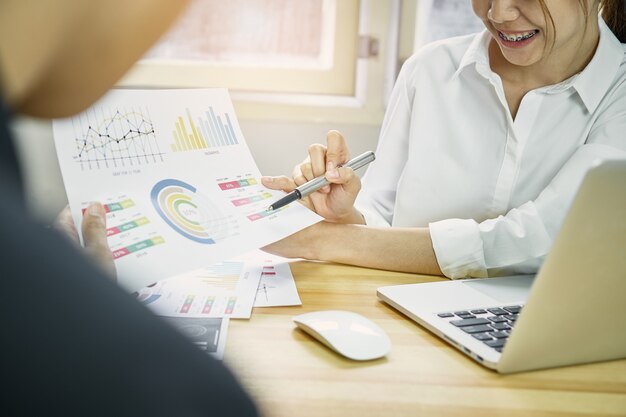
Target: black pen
x,y
319,182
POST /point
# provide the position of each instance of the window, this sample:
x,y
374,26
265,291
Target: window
x,y
282,59
275,46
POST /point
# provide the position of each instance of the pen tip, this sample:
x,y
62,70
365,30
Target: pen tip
x,y
270,208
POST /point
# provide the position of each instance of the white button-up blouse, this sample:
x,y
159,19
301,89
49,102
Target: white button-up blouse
x,y
493,190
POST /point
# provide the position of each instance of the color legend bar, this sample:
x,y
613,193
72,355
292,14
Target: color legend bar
x,y
262,214
118,253
127,226
187,304
231,185
253,199
208,305
231,305
121,205
268,270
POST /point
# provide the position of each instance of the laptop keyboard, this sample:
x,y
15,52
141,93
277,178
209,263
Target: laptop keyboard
x,y
492,326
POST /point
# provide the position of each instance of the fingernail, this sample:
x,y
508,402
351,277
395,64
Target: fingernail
x,y
333,173
330,166
95,210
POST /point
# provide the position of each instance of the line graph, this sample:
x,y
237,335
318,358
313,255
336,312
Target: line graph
x,y
114,138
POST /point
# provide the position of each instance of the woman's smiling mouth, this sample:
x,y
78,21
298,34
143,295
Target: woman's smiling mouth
x,y
518,36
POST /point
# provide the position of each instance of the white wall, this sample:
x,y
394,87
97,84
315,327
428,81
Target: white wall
x,y
276,147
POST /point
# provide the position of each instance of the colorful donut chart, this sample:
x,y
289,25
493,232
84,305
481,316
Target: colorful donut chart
x,y
182,209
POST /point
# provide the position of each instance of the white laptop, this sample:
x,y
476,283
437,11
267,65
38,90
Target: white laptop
x,y
573,311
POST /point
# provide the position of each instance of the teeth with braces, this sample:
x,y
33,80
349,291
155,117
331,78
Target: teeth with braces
x,y
517,38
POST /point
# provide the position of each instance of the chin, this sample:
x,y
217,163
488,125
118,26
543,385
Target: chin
x,y
55,103
521,60
53,109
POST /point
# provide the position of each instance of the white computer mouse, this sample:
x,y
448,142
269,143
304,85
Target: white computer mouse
x,y
347,333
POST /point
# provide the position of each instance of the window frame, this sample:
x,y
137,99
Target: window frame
x,y
365,103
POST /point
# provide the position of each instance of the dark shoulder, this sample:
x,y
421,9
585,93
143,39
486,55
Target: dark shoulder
x,y
86,347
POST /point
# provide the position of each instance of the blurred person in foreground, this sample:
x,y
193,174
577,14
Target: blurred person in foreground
x,y
73,342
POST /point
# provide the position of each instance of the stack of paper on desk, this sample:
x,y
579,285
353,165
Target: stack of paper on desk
x,y
201,302
178,182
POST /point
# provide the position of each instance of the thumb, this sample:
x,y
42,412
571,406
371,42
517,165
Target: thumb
x,y
337,152
94,225
282,183
95,236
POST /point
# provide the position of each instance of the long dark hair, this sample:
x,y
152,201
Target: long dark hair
x,y
614,14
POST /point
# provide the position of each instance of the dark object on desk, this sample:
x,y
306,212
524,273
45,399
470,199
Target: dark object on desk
x,y
74,344
204,332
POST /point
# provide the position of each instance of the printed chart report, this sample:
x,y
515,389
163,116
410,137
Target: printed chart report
x,y
177,180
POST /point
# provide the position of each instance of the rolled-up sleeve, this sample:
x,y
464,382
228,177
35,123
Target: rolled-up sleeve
x,y
493,191
518,241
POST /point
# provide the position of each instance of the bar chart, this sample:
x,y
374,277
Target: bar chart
x,y
210,130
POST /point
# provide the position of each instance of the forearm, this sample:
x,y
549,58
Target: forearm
x,y
394,249
353,217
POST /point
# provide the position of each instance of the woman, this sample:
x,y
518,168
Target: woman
x,y
484,143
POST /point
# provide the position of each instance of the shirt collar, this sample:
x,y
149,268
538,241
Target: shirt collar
x,y
591,84
594,81
477,53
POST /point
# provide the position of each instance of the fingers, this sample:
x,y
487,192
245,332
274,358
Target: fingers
x,y
336,155
337,152
322,160
64,223
317,158
350,181
303,172
282,183
325,158
345,176
95,236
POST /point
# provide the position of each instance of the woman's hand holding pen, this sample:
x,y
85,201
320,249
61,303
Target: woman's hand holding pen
x,y
334,202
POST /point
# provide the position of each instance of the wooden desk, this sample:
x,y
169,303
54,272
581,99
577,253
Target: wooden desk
x,y
291,374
